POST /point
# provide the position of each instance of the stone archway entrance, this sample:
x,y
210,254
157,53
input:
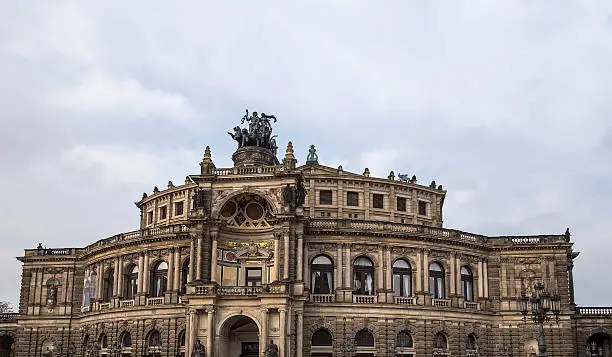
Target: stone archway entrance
x,y
6,346
238,337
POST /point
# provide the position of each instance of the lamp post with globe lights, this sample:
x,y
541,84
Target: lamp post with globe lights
x,y
541,307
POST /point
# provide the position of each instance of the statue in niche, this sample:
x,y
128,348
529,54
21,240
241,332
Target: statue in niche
x,y
198,350
52,294
272,350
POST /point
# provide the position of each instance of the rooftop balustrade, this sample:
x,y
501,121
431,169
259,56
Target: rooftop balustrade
x,y
594,311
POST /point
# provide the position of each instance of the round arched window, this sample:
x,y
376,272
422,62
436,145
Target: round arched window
x,y
363,276
322,275
436,281
159,279
321,337
467,283
364,338
402,278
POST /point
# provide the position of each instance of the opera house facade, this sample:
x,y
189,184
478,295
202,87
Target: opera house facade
x,y
271,258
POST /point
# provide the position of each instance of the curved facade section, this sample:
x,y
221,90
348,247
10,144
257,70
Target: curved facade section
x,y
297,261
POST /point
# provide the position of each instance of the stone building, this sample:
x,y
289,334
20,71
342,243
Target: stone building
x,y
306,260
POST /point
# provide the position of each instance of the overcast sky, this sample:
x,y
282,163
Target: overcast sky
x,y
505,103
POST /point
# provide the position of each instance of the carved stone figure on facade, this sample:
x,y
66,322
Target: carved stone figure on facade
x,y
198,350
403,177
289,196
200,200
300,191
51,294
272,349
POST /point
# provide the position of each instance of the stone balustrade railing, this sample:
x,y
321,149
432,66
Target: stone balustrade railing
x,y
594,311
404,300
440,303
322,298
365,299
142,233
8,316
318,225
254,170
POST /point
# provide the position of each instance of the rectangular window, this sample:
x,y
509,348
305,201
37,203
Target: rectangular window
x,y
422,208
401,204
150,217
325,197
352,198
163,212
178,208
253,276
377,200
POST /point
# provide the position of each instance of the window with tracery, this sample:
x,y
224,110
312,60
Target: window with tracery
x,y
247,211
364,338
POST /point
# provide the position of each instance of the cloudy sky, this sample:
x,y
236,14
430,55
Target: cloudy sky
x,y
506,103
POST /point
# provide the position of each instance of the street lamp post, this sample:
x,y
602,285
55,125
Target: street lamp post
x,y
542,307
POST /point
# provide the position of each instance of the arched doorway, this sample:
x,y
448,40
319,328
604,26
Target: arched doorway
x,y
239,337
598,345
7,346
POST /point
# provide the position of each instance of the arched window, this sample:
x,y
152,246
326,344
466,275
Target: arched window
x,y
321,337
159,279
154,343
440,341
436,281
363,276
131,283
86,293
599,345
181,343
322,275
103,341
185,276
402,278
403,340
109,280
470,344
467,283
126,340
364,338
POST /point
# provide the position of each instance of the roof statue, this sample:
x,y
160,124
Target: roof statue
x,y
312,158
259,132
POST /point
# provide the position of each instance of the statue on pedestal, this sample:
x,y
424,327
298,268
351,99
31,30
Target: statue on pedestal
x,y
272,350
198,350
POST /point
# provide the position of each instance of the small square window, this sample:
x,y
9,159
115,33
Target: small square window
x,y
150,217
401,204
422,208
163,212
377,200
178,208
352,198
325,197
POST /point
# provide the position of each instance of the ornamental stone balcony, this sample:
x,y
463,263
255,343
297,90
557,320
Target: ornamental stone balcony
x,y
440,302
322,298
404,300
365,299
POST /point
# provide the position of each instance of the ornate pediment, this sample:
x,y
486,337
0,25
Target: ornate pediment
x,y
253,251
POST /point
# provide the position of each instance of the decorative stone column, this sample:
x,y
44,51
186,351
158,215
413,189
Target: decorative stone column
x,y
286,255
389,274
140,273
380,284
177,269
213,260
120,280
300,257
458,275
263,334
210,330
282,331
276,256
191,332
198,265
485,270
170,268
480,280
116,278
100,281
192,259
300,333
419,272
348,294
145,274
453,275
339,278
426,271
